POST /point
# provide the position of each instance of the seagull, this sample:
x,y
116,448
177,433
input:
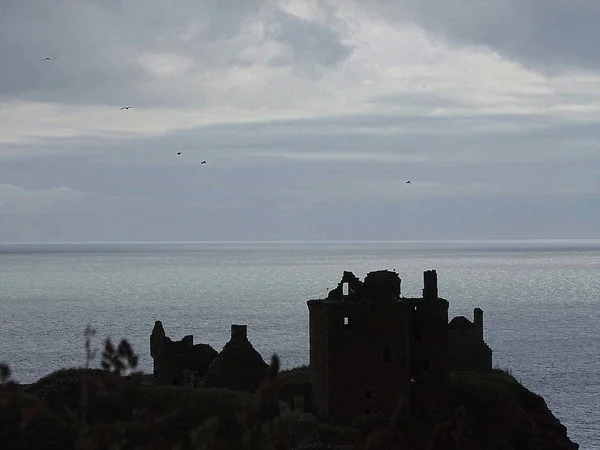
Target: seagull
x,y
126,107
178,153
48,59
202,162
408,182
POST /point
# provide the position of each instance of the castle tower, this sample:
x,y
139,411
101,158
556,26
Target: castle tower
x,y
157,343
466,348
478,323
359,348
430,289
428,351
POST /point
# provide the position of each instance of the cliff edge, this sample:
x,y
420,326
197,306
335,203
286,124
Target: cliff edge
x,y
500,413
489,410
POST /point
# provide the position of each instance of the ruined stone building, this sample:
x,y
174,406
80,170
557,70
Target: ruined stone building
x,y
466,348
238,366
371,351
178,362
374,351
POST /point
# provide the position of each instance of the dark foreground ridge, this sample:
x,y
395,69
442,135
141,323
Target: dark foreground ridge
x,y
385,372
489,411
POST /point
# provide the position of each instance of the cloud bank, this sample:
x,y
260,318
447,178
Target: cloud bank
x,y
311,115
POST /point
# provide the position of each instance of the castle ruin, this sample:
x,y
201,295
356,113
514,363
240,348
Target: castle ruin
x,y
466,348
178,362
238,366
371,351
374,351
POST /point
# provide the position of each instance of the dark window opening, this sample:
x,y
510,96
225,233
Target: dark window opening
x,y
426,366
368,395
417,336
386,355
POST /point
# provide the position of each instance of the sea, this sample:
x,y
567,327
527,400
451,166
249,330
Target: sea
x,y
541,302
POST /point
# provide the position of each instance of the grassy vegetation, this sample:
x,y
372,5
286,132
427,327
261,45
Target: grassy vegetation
x,y
116,408
296,375
29,423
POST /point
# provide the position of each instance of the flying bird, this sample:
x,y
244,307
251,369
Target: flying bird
x,y
408,182
126,107
178,153
48,59
202,162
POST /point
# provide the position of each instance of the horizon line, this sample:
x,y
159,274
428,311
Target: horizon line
x,y
309,241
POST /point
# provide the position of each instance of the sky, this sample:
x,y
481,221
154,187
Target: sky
x,y
311,116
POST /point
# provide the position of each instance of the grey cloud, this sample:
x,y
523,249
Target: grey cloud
x,y
420,101
311,42
293,158
20,201
140,190
89,51
95,46
551,35
437,139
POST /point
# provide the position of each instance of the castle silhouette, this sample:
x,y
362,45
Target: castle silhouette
x,y
371,351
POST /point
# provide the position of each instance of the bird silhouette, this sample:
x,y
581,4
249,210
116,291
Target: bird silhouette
x,y
126,107
203,162
178,153
48,59
408,182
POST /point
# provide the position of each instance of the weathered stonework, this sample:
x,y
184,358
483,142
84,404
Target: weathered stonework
x,y
179,362
239,366
466,348
374,351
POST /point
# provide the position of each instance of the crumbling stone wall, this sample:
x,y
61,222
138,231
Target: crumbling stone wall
x,y
178,362
239,366
466,348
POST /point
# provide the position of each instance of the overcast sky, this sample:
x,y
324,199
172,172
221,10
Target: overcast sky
x,y
310,115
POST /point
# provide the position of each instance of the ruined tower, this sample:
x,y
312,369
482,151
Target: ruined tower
x,y
466,348
428,350
374,351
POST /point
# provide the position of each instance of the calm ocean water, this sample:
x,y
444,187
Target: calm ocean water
x,y
541,302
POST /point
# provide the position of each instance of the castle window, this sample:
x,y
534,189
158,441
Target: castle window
x,y
345,289
426,366
347,323
386,355
368,395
